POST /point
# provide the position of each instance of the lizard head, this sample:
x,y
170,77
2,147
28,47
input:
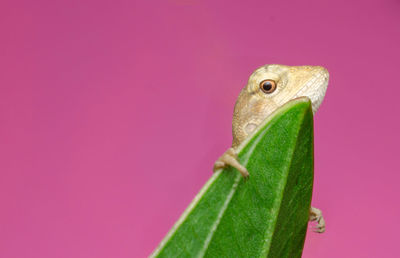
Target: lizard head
x,y
271,86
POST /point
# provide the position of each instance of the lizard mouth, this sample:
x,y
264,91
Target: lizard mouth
x,y
315,88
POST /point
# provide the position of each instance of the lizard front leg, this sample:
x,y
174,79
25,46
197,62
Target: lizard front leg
x,y
230,158
316,215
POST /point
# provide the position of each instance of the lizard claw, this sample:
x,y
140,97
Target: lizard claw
x,y
230,158
316,215
218,164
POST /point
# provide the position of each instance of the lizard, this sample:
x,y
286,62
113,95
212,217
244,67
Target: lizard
x,y
268,88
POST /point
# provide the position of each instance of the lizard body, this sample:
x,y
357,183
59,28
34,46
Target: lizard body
x,y
268,88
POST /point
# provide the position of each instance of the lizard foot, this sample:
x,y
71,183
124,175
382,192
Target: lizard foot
x,y
316,215
230,158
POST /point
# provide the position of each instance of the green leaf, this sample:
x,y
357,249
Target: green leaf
x,y
265,216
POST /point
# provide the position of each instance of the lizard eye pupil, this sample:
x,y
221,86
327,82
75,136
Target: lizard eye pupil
x,y
268,86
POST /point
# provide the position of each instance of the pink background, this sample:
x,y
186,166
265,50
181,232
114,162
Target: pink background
x,y
113,112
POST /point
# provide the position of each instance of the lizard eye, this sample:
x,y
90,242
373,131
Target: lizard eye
x,y
268,86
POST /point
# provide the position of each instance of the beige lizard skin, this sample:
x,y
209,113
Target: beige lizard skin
x,y
268,88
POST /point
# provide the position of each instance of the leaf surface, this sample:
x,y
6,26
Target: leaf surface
x,y
265,216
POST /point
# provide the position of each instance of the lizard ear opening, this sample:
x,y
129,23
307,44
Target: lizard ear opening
x,y
268,86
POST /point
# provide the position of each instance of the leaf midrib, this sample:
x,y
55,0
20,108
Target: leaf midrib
x,y
267,247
